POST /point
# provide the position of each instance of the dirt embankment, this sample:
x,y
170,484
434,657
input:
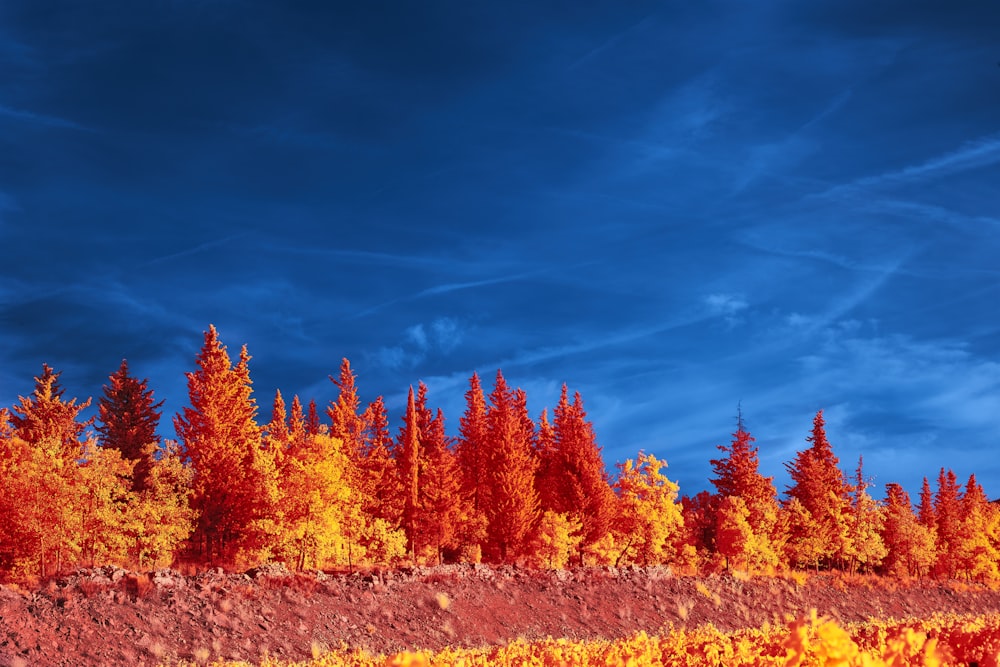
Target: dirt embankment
x,y
108,616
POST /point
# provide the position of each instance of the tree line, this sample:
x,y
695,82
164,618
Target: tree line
x,y
344,491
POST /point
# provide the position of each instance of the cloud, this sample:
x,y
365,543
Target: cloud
x,y
419,342
40,119
975,154
727,306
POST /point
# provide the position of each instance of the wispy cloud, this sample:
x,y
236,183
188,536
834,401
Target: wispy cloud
x,y
976,154
187,252
727,306
35,118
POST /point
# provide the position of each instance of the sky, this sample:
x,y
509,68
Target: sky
x,y
679,209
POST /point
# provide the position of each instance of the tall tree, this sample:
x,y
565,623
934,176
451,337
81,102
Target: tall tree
x,y
235,484
347,420
513,508
948,523
410,471
128,417
822,490
473,460
650,514
737,475
577,482
866,548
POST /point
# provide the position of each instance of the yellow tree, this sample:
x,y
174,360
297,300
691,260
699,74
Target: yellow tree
x,y
316,503
556,538
649,514
159,518
978,550
866,548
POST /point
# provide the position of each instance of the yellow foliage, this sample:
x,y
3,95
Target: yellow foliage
x,y
806,642
557,537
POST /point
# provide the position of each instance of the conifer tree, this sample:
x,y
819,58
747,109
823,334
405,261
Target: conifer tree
x,y
347,422
380,467
978,552
45,420
909,543
128,417
442,506
410,471
737,475
948,523
576,481
821,489
473,453
235,484
513,508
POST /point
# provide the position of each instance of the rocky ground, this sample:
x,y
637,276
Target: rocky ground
x,y
108,616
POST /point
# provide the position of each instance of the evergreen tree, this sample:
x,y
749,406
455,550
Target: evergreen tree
x,y
47,421
822,491
909,543
513,509
235,484
737,475
128,417
577,482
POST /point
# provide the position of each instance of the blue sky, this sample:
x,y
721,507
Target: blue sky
x,y
672,207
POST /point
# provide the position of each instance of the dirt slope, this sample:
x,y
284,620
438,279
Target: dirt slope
x,y
108,616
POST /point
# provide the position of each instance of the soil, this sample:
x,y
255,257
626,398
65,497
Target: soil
x,y
107,616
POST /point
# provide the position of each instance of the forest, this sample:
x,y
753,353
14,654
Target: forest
x,y
341,491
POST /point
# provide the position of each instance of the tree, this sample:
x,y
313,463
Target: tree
x,y
510,473
410,471
948,523
650,515
347,423
822,491
572,477
733,534
866,549
128,417
909,543
443,508
977,553
556,538
473,453
737,475
45,420
235,482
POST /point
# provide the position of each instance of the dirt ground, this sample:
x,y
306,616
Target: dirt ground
x,y
108,616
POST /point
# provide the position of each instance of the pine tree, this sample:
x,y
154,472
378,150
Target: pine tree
x,y
128,417
380,467
47,421
443,507
410,471
821,489
978,552
737,475
576,481
909,543
948,523
347,423
235,484
513,509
